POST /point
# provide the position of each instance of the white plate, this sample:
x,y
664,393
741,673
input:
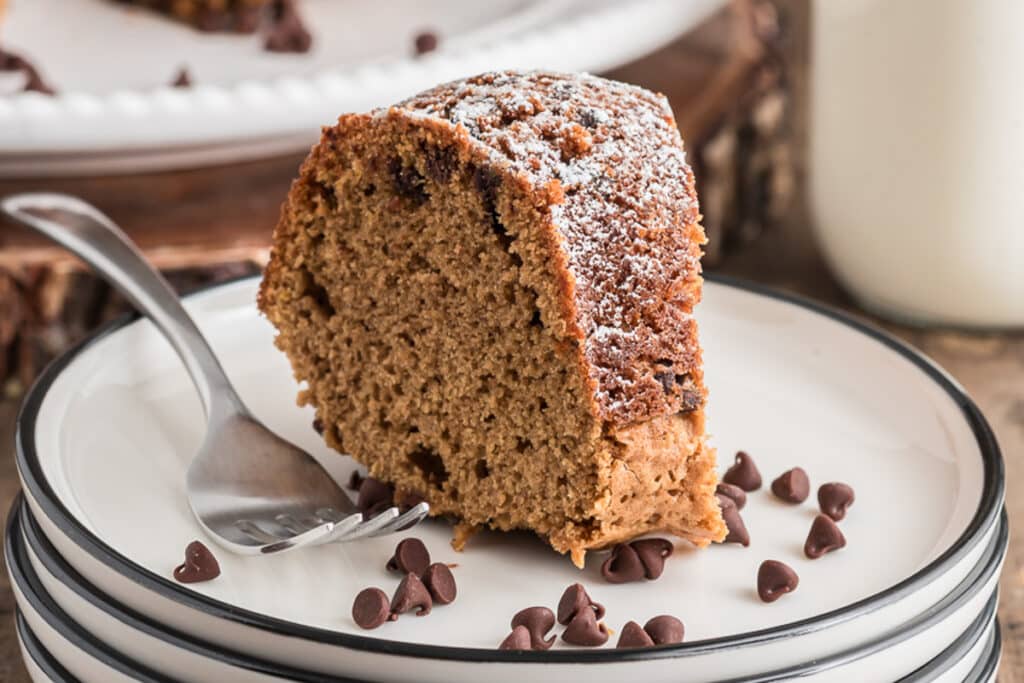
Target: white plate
x,y
55,593
112,64
39,663
792,383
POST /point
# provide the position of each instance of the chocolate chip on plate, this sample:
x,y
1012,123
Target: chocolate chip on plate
x,y
775,579
585,630
824,537
199,565
733,522
519,639
425,41
355,481
574,600
652,553
633,635
374,496
440,582
538,621
623,565
792,486
370,609
411,556
287,32
411,594
183,79
664,629
834,499
743,473
733,492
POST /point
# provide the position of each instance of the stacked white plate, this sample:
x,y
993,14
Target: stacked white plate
x,y
105,437
115,114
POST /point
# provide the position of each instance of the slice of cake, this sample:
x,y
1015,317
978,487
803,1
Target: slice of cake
x,y
487,290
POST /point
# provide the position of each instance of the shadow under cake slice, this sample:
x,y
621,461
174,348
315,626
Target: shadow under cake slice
x,y
488,291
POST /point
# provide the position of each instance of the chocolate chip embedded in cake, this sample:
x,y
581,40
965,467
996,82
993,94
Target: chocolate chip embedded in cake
x,y
482,288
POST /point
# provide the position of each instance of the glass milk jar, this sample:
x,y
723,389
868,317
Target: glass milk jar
x,y
917,156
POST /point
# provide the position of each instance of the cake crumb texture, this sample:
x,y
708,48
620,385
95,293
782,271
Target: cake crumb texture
x,y
488,292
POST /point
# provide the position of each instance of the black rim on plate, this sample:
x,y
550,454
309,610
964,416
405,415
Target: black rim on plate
x,y
986,667
40,655
27,583
20,521
985,516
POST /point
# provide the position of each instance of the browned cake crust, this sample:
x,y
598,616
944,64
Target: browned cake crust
x,y
487,290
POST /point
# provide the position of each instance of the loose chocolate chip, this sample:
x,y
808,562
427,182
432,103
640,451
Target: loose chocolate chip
x,y
733,522
199,565
835,498
590,118
792,486
370,608
519,639
734,493
287,33
441,583
585,630
33,80
183,79
318,427
775,579
743,473
411,556
574,600
425,41
355,480
665,629
374,496
824,537
538,621
633,635
411,594
623,565
652,553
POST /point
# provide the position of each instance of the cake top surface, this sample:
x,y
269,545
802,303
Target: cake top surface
x,y
610,158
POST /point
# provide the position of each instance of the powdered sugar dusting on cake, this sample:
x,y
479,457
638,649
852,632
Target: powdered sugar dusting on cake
x,y
628,215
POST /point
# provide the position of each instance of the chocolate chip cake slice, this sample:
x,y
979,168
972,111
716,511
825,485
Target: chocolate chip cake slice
x,y
488,289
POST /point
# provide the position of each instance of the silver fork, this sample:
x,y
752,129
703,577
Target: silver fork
x,y
254,492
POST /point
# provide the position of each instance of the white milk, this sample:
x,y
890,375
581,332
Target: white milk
x,y
917,155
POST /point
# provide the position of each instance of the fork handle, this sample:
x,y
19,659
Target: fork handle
x,y
93,237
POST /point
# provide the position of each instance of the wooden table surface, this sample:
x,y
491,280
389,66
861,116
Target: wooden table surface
x,y
989,365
